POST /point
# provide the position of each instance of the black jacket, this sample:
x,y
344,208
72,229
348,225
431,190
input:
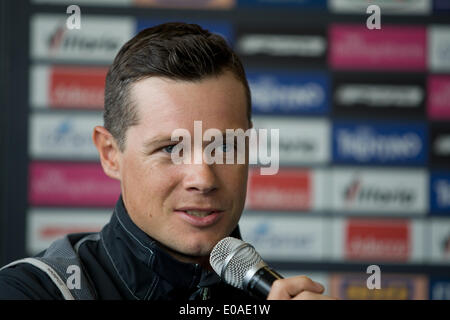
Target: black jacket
x,y
124,264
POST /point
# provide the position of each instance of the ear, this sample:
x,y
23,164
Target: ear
x,y
108,150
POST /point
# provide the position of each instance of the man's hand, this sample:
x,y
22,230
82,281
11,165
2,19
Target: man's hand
x,y
297,288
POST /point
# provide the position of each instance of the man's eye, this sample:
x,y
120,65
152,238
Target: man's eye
x,y
168,149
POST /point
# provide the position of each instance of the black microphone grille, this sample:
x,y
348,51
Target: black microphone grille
x,y
232,258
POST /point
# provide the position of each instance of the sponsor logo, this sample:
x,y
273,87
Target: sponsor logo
x,y
263,235
77,87
393,287
286,190
383,144
68,87
356,192
305,146
99,40
361,95
386,6
205,4
46,225
284,238
438,103
439,48
439,288
282,45
71,184
63,40
384,240
380,191
301,141
63,136
440,193
379,96
288,93
395,48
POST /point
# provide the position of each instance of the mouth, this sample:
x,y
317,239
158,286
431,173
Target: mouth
x,y
200,217
199,213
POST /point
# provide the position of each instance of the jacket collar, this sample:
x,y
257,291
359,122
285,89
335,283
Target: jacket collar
x,y
145,269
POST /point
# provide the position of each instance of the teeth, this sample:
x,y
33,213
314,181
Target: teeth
x,y
198,213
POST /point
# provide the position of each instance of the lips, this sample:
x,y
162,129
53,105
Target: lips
x,y
198,213
200,217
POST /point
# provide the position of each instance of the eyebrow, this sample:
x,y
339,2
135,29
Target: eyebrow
x,y
158,140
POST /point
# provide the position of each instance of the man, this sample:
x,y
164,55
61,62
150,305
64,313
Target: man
x,y
169,216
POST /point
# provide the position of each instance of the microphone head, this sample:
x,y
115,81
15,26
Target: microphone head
x,y
232,258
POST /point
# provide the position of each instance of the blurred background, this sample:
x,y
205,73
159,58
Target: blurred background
x,y
364,119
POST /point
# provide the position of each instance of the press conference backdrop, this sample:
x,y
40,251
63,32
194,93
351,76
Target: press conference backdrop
x,y
364,119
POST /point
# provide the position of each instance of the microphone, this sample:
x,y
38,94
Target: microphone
x,y
238,263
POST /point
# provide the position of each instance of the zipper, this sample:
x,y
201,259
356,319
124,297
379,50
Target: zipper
x,y
204,293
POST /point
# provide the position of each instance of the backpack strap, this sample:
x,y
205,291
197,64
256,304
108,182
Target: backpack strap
x,y
50,273
58,262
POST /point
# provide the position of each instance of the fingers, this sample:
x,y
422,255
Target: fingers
x,y
286,289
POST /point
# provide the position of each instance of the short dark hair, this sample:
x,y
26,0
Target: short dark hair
x,y
174,50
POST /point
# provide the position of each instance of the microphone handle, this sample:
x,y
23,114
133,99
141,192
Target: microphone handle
x,y
261,282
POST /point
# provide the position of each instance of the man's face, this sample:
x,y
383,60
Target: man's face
x,y
169,201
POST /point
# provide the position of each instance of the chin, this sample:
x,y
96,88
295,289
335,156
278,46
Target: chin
x,y
200,248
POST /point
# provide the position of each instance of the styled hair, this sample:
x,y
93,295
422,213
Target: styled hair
x,y
178,51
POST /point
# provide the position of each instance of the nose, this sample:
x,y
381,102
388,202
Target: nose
x,y
200,178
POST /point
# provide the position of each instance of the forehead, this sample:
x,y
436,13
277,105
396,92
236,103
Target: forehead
x,y
164,105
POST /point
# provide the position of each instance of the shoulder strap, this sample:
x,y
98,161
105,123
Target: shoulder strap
x,y
50,273
58,262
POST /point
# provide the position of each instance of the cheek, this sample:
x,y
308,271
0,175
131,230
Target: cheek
x,y
234,178
132,174
148,183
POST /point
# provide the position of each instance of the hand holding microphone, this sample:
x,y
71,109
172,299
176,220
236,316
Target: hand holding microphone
x,y
238,263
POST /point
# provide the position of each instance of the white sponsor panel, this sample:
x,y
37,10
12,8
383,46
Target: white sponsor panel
x,y
439,48
322,189
39,86
419,7
98,40
63,135
337,244
380,191
46,225
301,141
282,45
439,239
285,238
417,238
379,96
